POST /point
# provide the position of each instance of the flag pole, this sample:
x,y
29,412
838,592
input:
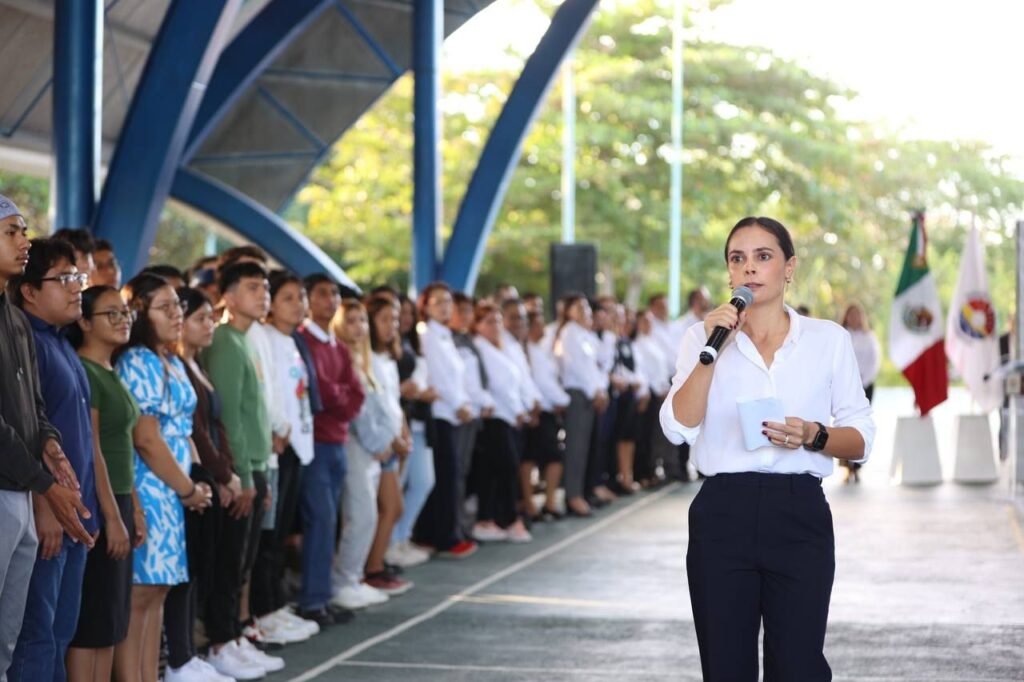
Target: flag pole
x,y
1017,353
675,239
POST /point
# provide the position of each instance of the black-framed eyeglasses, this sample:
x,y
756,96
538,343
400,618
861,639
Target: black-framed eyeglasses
x,y
172,309
117,316
66,279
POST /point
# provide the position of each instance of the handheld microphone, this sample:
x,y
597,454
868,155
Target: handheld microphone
x,y
741,298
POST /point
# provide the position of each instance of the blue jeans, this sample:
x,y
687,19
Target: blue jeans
x,y
417,480
51,616
320,496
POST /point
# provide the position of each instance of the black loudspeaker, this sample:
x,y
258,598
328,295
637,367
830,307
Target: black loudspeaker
x,y
573,271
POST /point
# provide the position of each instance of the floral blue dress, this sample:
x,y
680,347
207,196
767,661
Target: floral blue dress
x,y
163,392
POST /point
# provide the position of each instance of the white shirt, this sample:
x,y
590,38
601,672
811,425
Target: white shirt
x,y
503,380
544,370
815,376
605,350
256,335
679,327
650,362
528,390
868,353
291,391
668,345
385,371
576,352
479,397
446,370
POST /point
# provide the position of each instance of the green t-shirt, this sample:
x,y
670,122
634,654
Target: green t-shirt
x,y
118,414
231,365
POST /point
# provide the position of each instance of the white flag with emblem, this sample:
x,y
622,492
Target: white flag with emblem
x,y
972,344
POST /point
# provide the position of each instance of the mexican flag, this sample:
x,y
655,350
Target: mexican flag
x,y
915,325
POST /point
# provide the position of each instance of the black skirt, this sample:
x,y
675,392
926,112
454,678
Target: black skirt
x,y
106,590
545,443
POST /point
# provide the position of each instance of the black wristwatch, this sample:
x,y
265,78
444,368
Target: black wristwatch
x,y
820,438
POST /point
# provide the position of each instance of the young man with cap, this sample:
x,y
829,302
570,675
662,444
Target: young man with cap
x,y
27,442
49,292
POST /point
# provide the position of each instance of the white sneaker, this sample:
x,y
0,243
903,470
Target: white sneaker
x,y
489,534
300,626
229,661
196,670
404,554
278,631
519,535
270,664
373,595
284,614
355,597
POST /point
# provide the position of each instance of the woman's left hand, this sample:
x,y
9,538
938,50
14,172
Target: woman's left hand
x,y
791,435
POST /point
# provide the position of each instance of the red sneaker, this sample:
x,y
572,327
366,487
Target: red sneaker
x,y
459,550
390,585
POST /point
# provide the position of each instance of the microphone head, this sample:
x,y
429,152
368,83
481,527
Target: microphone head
x,y
744,294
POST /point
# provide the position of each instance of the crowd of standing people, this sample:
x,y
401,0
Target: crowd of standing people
x,y
234,458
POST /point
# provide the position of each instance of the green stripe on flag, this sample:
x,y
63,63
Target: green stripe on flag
x,y
915,267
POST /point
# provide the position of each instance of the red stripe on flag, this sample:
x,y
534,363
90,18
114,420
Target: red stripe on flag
x,y
929,377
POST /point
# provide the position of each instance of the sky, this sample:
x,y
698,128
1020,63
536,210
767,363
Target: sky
x,y
945,69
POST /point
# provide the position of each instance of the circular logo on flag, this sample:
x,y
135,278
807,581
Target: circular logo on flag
x,y
917,319
977,319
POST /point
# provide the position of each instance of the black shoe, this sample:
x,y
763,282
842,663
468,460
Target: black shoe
x,y
596,502
551,515
340,614
321,617
393,569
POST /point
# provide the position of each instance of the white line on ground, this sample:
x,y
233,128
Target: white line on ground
x,y
480,585
591,673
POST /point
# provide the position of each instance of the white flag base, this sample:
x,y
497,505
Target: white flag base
x,y
915,456
975,456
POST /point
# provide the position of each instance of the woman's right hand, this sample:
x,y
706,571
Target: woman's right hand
x,y
200,499
727,316
118,542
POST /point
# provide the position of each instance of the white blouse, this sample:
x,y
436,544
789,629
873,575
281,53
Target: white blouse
x,y
446,370
815,376
385,371
576,351
511,347
869,355
545,374
651,363
479,397
503,379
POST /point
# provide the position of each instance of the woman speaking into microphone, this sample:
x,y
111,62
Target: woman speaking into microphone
x,y
781,401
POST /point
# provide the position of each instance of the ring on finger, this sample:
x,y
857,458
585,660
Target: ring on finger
x,y
786,442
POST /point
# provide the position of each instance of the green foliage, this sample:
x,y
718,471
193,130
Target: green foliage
x,y
763,135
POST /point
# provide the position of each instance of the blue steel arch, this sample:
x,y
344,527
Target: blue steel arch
x,y
248,55
153,137
257,223
486,190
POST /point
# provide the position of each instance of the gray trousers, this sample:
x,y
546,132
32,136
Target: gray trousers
x,y
18,545
579,422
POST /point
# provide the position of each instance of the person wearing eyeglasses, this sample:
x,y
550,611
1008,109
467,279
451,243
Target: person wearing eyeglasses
x,y
107,586
50,294
164,453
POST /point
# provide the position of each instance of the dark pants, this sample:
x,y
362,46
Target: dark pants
x,y
579,425
51,616
647,421
438,525
186,601
235,555
602,447
499,473
267,592
320,500
761,548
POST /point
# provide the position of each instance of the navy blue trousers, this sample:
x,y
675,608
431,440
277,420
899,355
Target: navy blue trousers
x,y
761,550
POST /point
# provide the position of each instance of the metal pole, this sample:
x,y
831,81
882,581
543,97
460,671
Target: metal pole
x,y
568,154
77,109
428,18
675,238
1017,353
